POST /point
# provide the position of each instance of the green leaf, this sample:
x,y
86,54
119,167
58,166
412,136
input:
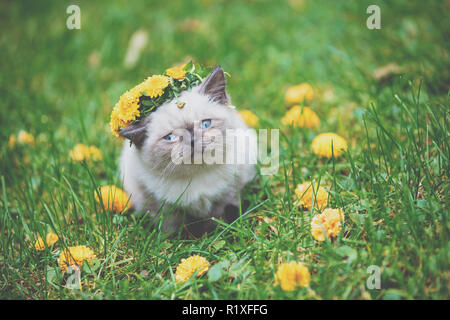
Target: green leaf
x,y
217,270
189,67
215,273
346,251
147,103
219,244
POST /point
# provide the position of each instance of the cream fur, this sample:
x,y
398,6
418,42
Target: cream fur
x,y
151,180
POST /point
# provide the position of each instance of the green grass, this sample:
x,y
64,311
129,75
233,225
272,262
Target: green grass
x,y
392,184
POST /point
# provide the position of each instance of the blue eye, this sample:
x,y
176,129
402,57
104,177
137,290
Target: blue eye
x,y
170,137
205,124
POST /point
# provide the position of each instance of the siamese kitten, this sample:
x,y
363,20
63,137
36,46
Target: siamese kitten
x,y
189,126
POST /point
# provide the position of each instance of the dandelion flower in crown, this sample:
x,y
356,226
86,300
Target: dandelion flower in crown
x,y
177,72
299,116
292,274
154,86
128,106
75,256
328,144
113,198
189,266
147,96
249,118
116,122
306,192
300,94
328,223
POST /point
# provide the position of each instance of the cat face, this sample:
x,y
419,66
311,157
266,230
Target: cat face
x,y
176,140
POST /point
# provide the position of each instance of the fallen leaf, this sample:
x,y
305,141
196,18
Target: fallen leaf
x,y
386,71
137,43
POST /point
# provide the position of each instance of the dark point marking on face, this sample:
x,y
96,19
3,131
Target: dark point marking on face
x,y
136,133
214,86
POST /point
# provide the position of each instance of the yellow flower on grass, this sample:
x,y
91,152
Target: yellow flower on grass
x,y
302,117
75,256
154,86
50,238
95,153
12,141
328,144
39,244
177,72
306,192
292,274
79,152
83,152
189,266
249,118
328,223
300,93
23,137
113,198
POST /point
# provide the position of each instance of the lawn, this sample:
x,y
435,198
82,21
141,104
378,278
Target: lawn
x,y
385,91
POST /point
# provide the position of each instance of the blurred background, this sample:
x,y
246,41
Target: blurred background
x,y
65,82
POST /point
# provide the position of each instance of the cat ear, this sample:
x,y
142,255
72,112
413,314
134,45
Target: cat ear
x,y
214,86
136,133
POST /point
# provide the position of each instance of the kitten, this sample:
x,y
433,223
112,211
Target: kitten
x,y
151,170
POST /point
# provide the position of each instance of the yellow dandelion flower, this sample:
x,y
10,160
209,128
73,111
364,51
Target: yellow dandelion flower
x,y
327,144
113,198
128,107
12,141
177,72
75,256
307,191
329,222
300,93
25,138
116,123
39,244
50,238
303,117
154,86
292,274
249,118
95,153
83,152
189,266
128,112
80,152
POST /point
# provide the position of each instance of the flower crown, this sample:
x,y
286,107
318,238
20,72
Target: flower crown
x,y
147,96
